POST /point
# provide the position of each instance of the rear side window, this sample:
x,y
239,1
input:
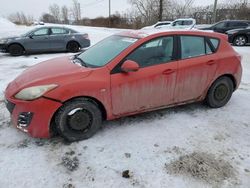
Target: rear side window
x,y
215,43
192,46
59,31
238,24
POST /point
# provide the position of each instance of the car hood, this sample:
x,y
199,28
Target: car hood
x,y
10,38
56,71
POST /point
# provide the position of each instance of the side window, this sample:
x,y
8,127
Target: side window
x,y
41,32
192,46
215,42
238,24
154,52
220,25
59,31
208,49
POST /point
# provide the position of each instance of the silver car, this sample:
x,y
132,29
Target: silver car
x,y
45,39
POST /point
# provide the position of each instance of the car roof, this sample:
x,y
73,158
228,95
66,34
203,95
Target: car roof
x,y
146,33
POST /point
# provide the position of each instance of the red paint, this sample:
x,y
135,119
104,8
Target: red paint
x,y
173,83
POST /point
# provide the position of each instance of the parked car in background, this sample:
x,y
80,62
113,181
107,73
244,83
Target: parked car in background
x,y
226,25
239,37
128,73
183,23
45,39
158,25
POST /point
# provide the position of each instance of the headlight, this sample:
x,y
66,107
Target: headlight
x,y
3,41
35,92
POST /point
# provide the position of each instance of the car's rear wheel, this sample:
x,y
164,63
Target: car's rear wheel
x,y
16,50
73,47
220,92
78,119
240,40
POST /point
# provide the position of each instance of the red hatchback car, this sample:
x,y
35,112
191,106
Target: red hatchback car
x,y
127,73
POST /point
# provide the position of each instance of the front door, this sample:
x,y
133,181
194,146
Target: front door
x,y
152,85
38,40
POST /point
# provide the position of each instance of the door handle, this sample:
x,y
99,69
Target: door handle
x,y
168,71
211,62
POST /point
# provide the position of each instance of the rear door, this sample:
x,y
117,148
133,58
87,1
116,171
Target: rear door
x,y
57,38
196,68
152,85
237,25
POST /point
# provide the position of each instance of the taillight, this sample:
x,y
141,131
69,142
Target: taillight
x,y
86,36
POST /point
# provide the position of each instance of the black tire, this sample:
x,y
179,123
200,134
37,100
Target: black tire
x,y
78,119
73,47
220,92
240,40
16,50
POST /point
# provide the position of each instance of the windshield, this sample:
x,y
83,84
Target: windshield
x,y
106,50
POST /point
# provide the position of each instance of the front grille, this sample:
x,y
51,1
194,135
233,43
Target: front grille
x,y
10,106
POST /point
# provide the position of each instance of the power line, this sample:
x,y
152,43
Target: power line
x,y
93,3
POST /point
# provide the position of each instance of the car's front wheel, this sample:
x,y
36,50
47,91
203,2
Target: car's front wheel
x,y
16,50
78,119
240,40
73,47
220,92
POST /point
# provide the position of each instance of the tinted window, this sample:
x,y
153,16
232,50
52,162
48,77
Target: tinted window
x,y
154,52
59,31
40,32
238,24
162,24
220,25
215,42
192,46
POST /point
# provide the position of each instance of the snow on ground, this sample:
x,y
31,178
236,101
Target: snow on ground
x,y
143,144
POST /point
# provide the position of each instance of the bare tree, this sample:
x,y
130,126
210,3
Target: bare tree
x,y
55,12
182,8
148,9
48,18
65,14
76,11
21,19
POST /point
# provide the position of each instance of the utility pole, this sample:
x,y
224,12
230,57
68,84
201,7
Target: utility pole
x,y
109,13
215,11
160,10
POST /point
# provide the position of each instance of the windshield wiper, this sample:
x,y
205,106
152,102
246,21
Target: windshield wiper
x,y
81,61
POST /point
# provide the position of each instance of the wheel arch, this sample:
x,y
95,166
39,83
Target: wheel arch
x,y
73,41
17,44
225,75
100,105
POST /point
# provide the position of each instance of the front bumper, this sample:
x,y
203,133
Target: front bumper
x,y
3,47
42,111
230,38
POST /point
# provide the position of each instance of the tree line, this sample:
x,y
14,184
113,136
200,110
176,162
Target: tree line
x,y
142,12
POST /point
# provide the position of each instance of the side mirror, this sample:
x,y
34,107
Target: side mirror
x,y
30,36
129,66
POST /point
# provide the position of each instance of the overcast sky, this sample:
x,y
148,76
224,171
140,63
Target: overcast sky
x,y
90,8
